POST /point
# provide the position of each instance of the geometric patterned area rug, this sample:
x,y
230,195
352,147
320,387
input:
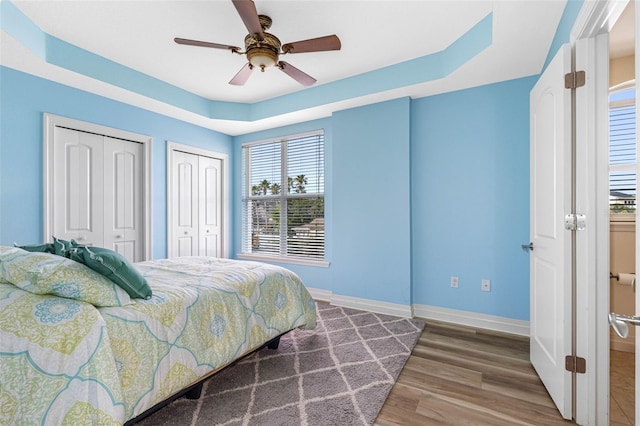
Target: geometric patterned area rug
x,y
338,374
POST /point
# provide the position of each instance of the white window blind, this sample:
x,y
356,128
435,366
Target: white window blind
x,y
283,197
622,152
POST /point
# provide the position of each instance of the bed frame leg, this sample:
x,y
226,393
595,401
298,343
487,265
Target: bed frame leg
x,y
194,393
274,343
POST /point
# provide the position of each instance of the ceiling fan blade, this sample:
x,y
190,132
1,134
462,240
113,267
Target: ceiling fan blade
x,y
242,76
190,42
296,74
331,42
249,14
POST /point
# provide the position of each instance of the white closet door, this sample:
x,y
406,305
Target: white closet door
x,y
210,206
185,204
77,186
123,175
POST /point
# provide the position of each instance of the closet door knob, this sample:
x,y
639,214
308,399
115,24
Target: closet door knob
x,y
527,247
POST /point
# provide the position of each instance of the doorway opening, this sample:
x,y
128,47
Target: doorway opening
x,y
622,203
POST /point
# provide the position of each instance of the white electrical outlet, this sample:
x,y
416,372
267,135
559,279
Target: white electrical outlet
x,y
454,282
486,285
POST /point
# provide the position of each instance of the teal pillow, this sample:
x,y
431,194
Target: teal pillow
x,y
61,247
114,266
38,248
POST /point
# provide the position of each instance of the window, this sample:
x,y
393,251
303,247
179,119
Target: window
x,y
622,152
283,197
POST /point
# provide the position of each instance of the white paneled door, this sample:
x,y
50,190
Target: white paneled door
x,y
123,197
196,205
550,258
78,200
97,186
210,206
184,186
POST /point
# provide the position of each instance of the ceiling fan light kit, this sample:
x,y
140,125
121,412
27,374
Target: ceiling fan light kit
x,y
263,49
262,53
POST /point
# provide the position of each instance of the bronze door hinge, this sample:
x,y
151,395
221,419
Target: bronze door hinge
x,y
575,79
575,364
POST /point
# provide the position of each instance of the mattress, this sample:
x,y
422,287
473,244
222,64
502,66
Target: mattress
x,y
65,361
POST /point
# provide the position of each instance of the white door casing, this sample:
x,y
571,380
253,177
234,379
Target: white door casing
x,y
550,294
590,36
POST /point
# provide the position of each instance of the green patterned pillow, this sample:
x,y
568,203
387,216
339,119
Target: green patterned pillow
x,y
61,247
114,266
42,248
45,273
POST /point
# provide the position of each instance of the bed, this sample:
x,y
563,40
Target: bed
x,y
68,358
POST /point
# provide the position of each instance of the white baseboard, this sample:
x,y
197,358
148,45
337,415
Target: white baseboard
x,y
319,294
376,306
487,322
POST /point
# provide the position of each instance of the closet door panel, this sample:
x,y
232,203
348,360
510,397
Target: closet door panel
x,y
77,186
123,175
210,205
185,218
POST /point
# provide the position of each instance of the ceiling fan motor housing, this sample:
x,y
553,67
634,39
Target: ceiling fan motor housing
x,y
262,53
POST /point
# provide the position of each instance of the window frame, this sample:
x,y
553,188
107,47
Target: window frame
x,y
283,197
624,217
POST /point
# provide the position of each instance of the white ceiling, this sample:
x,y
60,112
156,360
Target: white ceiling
x,y
374,34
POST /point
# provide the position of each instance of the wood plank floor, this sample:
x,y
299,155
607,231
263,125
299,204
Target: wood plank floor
x,y
464,376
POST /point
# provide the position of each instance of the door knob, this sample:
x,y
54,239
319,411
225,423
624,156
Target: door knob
x,y
527,247
619,323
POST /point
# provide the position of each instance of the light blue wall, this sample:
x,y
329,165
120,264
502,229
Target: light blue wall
x,y
470,198
371,202
442,186
23,100
435,198
421,190
367,201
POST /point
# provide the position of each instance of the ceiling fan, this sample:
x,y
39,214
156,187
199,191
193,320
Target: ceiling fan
x,y
263,49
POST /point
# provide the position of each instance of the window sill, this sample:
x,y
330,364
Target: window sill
x,y
280,259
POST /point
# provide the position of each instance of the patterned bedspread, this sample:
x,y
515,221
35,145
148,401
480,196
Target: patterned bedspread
x,y
64,361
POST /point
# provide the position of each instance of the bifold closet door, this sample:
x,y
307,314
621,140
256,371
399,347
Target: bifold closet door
x,y
184,184
210,206
78,200
123,174
97,191
196,211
